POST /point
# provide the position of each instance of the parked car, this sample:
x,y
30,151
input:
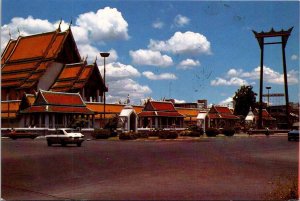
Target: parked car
x,y
64,137
13,134
294,133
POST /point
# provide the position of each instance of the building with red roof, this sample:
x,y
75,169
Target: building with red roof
x,y
47,61
55,109
221,117
159,115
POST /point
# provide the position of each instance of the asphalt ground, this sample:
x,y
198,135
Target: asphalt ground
x,y
222,168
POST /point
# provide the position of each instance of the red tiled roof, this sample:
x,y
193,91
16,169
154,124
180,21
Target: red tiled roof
x,y
57,109
159,114
221,109
163,106
67,77
38,49
32,46
67,99
220,112
55,47
9,47
19,67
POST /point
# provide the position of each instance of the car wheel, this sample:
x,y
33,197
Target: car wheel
x,y
63,144
289,139
78,144
49,143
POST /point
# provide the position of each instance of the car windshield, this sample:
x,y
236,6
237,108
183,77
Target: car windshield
x,y
72,130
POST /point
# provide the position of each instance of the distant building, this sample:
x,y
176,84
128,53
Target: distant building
x,y
221,117
55,110
160,115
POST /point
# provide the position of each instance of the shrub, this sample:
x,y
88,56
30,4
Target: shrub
x,y
284,190
212,132
143,134
128,136
101,133
228,131
165,134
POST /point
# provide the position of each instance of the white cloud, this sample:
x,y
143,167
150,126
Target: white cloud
x,y
238,77
151,58
183,43
270,75
163,76
116,71
105,24
188,64
181,21
294,57
234,81
227,102
179,101
158,24
119,90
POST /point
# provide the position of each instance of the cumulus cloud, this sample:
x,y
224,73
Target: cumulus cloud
x,y
270,75
227,102
179,101
183,43
234,81
90,28
294,57
164,76
158,24
151,58
116,70
105,24
119,90
181,21
236,77
188,64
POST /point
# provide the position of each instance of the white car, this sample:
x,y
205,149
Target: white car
x,y
64,137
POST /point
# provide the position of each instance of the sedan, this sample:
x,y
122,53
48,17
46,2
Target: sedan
x,y
64,137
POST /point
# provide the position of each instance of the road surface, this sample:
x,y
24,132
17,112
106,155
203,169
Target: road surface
x,y
236,168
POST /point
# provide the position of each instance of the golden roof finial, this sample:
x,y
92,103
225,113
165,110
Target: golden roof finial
x,y
59,29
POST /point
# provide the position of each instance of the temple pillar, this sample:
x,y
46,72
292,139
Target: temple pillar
x,y
46,120
40,120
53,120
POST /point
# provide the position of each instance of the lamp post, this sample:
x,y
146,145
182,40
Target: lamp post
x,y
104,55
268,88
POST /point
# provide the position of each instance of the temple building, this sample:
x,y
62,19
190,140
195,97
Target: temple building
x,y
160,115
44,62
221,117
47,61
56,110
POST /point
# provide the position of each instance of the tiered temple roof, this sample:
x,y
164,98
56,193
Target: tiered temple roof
x,y
58,102
220,112
26,59
158,108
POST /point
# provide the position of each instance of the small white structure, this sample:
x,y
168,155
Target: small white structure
x,y
250,117
128,119
201,120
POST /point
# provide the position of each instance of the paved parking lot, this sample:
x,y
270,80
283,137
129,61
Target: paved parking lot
x,y
206,168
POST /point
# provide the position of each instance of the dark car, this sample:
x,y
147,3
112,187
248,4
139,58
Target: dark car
x,y
294,133
15,134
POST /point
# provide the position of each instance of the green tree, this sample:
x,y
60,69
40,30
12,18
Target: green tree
x,y
244,98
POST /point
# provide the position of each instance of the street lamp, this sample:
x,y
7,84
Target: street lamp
x,y
268,88
104,55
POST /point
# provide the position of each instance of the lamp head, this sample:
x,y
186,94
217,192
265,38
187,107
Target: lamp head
x,y
104,54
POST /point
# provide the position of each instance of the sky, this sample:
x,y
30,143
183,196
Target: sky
x,y
182,50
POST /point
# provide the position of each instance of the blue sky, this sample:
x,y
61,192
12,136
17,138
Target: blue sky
x,y
170,49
